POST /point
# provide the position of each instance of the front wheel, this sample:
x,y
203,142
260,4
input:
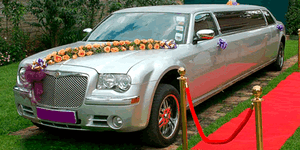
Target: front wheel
x,y
164,120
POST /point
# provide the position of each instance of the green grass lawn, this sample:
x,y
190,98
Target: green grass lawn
x,y
293,142
10,121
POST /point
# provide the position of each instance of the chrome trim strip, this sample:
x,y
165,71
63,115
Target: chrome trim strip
x,y
20,89
93,100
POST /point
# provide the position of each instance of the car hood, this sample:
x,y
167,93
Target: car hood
x,y
119,62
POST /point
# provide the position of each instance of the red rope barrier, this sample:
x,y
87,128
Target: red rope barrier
x,y
205,139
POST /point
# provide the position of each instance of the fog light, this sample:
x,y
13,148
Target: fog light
x,y
117,122
20,110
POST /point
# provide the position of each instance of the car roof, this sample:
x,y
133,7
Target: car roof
x,y
190,8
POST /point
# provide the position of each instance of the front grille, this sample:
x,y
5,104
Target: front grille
x,y
63,92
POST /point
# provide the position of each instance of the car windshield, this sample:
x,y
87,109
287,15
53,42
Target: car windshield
x,y
131,26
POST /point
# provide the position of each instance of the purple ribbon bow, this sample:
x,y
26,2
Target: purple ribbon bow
x,y
34,78
223,44
280,27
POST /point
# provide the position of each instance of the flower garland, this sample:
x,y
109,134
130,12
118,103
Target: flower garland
x,y
116,46
35,73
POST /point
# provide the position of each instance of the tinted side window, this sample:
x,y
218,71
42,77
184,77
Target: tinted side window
x,y
239,20
204,21
269,17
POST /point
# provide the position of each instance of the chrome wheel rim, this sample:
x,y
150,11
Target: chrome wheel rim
x,y
168,118
281,57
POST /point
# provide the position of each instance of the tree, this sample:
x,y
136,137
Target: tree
x,y
292,17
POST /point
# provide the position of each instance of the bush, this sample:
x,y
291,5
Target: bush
x,y
14,47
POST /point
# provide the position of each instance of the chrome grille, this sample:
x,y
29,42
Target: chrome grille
x,y
63,92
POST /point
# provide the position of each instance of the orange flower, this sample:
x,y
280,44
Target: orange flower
x,y
50,62
88,46
102,45
61,52
156,41
116,43
137,41
142,46
150,40
74,56
150,46
115,49
229,3
127,42
162,43
68,49
89,53
65,57
54,53
144,41
75,50
108,44
80,47
123,48
48,57
156,46
122,43
107,49
131,48
81,53
57,58
96,45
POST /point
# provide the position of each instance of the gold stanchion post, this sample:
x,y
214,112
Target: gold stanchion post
x,y
298,49
257,91
182,79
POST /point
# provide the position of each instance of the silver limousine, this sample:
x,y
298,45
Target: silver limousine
x,y
137,90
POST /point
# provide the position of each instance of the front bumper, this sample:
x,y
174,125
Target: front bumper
x,y
93,117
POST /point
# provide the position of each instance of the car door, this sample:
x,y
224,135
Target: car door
x,y
246,40
273,43
207,61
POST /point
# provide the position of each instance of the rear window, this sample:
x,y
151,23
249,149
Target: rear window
x,y
232,21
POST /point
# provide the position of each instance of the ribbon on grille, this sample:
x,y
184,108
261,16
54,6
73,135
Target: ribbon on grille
x,y
204,138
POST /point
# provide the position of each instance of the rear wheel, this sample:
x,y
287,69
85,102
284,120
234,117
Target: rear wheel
x,y
164,120
278,64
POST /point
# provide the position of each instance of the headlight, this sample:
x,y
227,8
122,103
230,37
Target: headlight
x,y
118,82
22,75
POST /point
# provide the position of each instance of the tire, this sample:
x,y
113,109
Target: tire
x,y
278,64
165,106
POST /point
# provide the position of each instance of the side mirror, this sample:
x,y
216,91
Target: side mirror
x,y
87,30
205,34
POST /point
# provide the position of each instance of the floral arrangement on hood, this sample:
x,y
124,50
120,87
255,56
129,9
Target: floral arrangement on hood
x,y
36,72
116,46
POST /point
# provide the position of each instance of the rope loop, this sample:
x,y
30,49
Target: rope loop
x,y
204,138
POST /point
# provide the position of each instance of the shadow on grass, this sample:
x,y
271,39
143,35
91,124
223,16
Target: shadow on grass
x,y
64,139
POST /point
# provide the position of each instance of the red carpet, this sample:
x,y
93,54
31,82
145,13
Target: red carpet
x,y
280,118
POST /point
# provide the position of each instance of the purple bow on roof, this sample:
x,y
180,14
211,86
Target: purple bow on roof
x,y
223,44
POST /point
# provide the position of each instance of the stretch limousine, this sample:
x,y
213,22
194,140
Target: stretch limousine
x,y
123,76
